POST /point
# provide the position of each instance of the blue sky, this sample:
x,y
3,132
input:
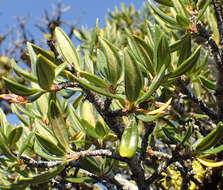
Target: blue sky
x,y
93,9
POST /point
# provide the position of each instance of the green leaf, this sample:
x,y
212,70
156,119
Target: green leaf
x,y
187,135
14,136
21,72
94,88
49,146
33,57
210,151
182,21
162,15
129,140
148,118
35,97
133,77
176,45
94,79
77,179
44,131
95,37
43,105
154,85
89,129
207,83
146,53
42,178
38,150
170,136
99,129
5,149
47,54
60,68
59,126
162,53
187,64
25,144
114,64
90,165
19,89
210,140
3,122
202,11
180,8
45,72
168,3
203,63
101,63
66,48
18,114
185,49
110,137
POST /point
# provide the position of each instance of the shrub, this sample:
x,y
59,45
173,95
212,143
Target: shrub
x,y
137,105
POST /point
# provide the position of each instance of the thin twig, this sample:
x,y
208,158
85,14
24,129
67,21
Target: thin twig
x,y
219,65
144,145
185,90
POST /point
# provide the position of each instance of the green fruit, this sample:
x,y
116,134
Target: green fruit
x,y
129,140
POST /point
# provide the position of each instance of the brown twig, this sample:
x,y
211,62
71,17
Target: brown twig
x,y
185,90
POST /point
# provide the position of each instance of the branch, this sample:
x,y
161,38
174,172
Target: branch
x,y
176,157
102,152
52,47
196,100
144,145
113,122
101,106
219,65
219,17
102,179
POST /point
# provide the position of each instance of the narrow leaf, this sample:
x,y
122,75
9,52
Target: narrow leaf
x,y
14,136
202,11
207,83
162,15
89,129
94,79
49,146
182,21
59,126
210,163
44,177
133,77
66,48
210,140
38,150
113,61
25,144
168,3
154,85
146,53
170,136
21,72
5,149
19,89
45,72
157,111
187,64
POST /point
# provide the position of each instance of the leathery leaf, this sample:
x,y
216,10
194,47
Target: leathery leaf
x,y
59,126
133,77
45,72
113,61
